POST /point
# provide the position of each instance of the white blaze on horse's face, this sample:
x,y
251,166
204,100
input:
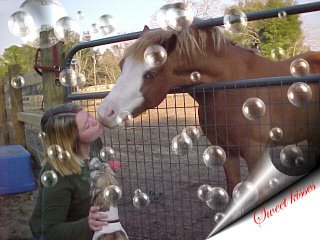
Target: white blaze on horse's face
x,y
125,95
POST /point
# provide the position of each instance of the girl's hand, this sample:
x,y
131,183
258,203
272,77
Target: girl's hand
x,y
96,219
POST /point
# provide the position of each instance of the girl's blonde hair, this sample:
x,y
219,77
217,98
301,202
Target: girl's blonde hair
x,y
60,128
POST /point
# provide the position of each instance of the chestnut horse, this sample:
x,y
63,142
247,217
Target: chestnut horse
x,y
220,116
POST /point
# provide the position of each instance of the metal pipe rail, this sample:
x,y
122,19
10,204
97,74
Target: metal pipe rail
x,y
247,83
251,16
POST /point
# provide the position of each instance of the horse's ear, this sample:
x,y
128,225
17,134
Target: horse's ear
x,y
145,28
170,44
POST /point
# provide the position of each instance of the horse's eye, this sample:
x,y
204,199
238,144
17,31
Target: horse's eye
x,y
148,75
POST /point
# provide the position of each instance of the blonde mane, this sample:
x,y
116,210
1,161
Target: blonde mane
x,y
191,42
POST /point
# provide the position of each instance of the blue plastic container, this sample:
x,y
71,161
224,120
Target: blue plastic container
x,y
15,170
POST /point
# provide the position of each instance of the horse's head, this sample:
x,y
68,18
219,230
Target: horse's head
x,y
139,87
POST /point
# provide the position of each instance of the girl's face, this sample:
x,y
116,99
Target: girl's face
x,y
89,128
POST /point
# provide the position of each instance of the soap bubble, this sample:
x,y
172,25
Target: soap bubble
x,y
81,80
277,54
94,28
45,14
234,20
155,56
53,151
253,108
86,36
140,199
95,176
106,24
20,23
17,82
192,132
299,94
300,161
107,154
124,119
214,156
67,30
68,77
80,15
64,156
217,198
282,14
218,217
105,167
175,16
273,182
247,191
195,76
112,193
256,48
276,134
299,67
203,191
42,135
162,19
180,144
179,16
48,40
289,154
94,164
49,178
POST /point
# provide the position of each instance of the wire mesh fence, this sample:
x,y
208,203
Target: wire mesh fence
x,y
172,181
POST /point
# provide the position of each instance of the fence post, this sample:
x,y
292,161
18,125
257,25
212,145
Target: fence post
x,y
53,92
16,102
4,137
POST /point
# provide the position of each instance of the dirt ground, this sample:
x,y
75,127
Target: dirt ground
x,y
175,212
15,211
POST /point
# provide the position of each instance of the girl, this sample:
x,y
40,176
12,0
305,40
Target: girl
x,y
63,211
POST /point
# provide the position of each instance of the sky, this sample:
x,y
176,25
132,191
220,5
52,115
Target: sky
x,y
130,15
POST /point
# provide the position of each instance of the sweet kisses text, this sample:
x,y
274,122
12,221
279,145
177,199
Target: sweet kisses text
x,y
261,215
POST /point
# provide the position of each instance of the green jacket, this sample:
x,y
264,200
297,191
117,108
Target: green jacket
x,y
61,212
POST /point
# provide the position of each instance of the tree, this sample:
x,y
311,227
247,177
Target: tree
x,y
24,56
3,66
105,64
108,67
267,34
98,67
85,64
273,33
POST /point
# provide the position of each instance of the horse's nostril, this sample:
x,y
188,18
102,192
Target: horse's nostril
x,y
107,111
111,112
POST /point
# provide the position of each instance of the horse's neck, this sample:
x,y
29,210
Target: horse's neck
x,y
240,63
236,63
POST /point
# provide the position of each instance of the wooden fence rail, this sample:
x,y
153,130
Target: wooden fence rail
x,y
4,134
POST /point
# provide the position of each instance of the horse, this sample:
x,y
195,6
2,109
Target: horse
x,y
207,51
